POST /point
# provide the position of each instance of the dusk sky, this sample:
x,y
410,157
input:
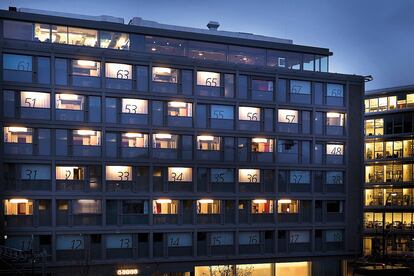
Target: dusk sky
x,y
367,37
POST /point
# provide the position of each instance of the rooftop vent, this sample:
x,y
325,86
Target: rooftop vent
x,y
213,25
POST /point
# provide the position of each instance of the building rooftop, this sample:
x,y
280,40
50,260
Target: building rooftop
x,y
390,90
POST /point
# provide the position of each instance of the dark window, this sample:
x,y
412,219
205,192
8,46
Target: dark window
x,y
157,113
94,109
201,116
61,142
43,70
61,71
187,82
229,85
17,30
110,110
134,207
281,90
142,78
8,104
44,141
242,87
111,144
334,206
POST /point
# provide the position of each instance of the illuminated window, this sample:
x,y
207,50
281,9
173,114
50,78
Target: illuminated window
x,y
262,206
113,40
208,143
334,149
165,207
335,90
222,175
119,173
180,109
262,145
17,62
408,148
83,37
334,177
87,206
60,34
300,87
134,106
410,100
176,174
222,112
299,177
86,138
249,113
293,269
86,68
254,269
21,135
335,119
287,206
118,71
18,206
134,140
163,74
70,173
42,32
208,79
288,116
262,85
208,206
164,141
70,101
249,176
35,172
374,127
34,99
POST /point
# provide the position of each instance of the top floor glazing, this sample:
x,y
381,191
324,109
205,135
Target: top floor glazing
x,y
166,45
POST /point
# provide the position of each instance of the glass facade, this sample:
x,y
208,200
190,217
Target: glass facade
x,y
126,148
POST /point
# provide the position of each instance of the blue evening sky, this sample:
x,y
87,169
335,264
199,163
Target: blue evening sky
x,y
367,37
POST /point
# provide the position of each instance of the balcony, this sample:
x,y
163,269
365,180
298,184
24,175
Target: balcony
x,y
165,218
208,218
70,255
36,185
86,81
180,251
35,113
222,187
119,253
86,151
288,127
87,219
299,247
134,152
179,121
221,123
249,125
134,219
335,130
18,148
19,220
122,84
17,75
165,153
209,155
265,157
289,158
222,250
178,186
262,218
70,185
70,115
138,119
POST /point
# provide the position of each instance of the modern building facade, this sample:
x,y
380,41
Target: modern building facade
x,y
144,148
389,151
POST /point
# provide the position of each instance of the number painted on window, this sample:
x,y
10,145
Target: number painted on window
x,y
336,151
131,108
122,74
123,176
294,238
76,244
252,178
177,176
31,102
26,245
211,82
219,177
23,66
296,89
125,243
218,114
252,116
216,240
336,179
253,239
297,178
290,118
68,174
174,242
31,174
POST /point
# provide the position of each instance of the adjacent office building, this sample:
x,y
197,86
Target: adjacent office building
x,y
389,190
145,148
